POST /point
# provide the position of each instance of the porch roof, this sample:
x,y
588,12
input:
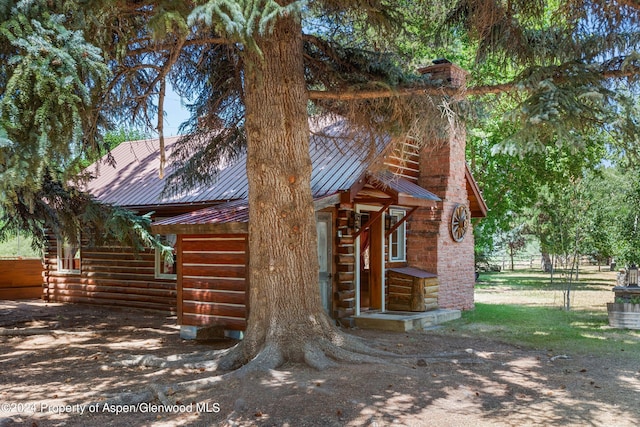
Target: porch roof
x,y
388,188
477,205
406,192
230,217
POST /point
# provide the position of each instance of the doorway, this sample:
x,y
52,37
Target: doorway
x,y
325,243
370,261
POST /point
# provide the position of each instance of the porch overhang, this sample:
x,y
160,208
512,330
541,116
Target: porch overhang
x,y
224,218
387,188
477,205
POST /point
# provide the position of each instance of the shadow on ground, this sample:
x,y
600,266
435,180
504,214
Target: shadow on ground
x,y
440,377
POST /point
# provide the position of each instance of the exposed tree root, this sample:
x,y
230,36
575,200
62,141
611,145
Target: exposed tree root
x,y
27,332
268,359
315,357
357,345
320,354
207,359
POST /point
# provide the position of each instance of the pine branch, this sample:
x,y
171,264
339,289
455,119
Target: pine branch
x,y
342,95
167,46
634,4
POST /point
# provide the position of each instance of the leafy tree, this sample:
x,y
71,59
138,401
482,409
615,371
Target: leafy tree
x,y
602,188
514,240
51,83
626,218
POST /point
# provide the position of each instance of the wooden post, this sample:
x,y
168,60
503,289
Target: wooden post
x,y
417,295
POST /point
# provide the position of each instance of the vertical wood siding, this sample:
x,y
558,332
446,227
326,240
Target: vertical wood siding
x,y
20,278
213,288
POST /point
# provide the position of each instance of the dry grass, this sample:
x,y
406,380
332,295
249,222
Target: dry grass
x,y
591,292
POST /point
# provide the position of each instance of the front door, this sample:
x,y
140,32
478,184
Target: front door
x,y
323,225
370,261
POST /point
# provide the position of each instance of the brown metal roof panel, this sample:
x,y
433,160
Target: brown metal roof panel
x,y
135,179
332,170
342,174
342,151
234,211
477,203
231,183
337,162
404,186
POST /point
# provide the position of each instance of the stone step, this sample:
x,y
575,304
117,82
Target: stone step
x,y
405,321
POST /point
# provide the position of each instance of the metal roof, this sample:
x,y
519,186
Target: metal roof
x,y
337,162
404,186
235,211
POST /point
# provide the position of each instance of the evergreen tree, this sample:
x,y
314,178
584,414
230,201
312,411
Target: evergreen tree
x,y
251,67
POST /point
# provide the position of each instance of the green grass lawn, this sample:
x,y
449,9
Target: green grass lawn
x,y
523,308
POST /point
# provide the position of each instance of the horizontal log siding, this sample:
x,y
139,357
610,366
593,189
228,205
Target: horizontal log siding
x,y
109,275
345,295
213,288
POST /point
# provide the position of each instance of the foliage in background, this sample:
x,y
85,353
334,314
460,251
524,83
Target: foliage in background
x,y
20,246
626,216
111,140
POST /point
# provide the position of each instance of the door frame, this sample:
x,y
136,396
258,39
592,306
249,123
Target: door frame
x,y
370,208
328,218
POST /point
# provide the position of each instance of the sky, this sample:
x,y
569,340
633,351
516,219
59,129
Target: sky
x,y
175,112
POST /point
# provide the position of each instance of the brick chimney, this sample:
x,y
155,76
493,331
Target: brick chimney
x,y
448,73
442,171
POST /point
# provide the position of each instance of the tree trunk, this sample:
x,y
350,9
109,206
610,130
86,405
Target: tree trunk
x,y
547,265
511,256
285,312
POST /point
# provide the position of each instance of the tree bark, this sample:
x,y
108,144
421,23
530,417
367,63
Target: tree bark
x,y
547,265
511,257
285,312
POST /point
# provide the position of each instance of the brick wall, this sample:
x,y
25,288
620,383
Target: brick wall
x,y
430,245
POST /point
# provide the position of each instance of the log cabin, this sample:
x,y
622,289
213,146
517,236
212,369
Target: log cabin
x,y
393,237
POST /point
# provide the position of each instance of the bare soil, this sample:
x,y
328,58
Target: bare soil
x,y
58,365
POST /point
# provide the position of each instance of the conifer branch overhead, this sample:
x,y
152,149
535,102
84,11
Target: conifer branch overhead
x,y
626,71
243,20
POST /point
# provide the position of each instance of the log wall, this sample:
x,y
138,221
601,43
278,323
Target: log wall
x,y
345,294
109,275
20,278
213,285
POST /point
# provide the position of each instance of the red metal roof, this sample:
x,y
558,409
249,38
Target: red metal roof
x,y
234,211
403,186
135,180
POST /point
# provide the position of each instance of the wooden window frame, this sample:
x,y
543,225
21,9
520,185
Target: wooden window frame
x,y
60,247
158,261
402,231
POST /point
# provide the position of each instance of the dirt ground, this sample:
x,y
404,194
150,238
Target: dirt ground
x,y
58,364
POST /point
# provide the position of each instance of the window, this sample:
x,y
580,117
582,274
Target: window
x,y
68,257
397,239
166,266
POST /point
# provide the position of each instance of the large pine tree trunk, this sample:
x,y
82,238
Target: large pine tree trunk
x,y
285,307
